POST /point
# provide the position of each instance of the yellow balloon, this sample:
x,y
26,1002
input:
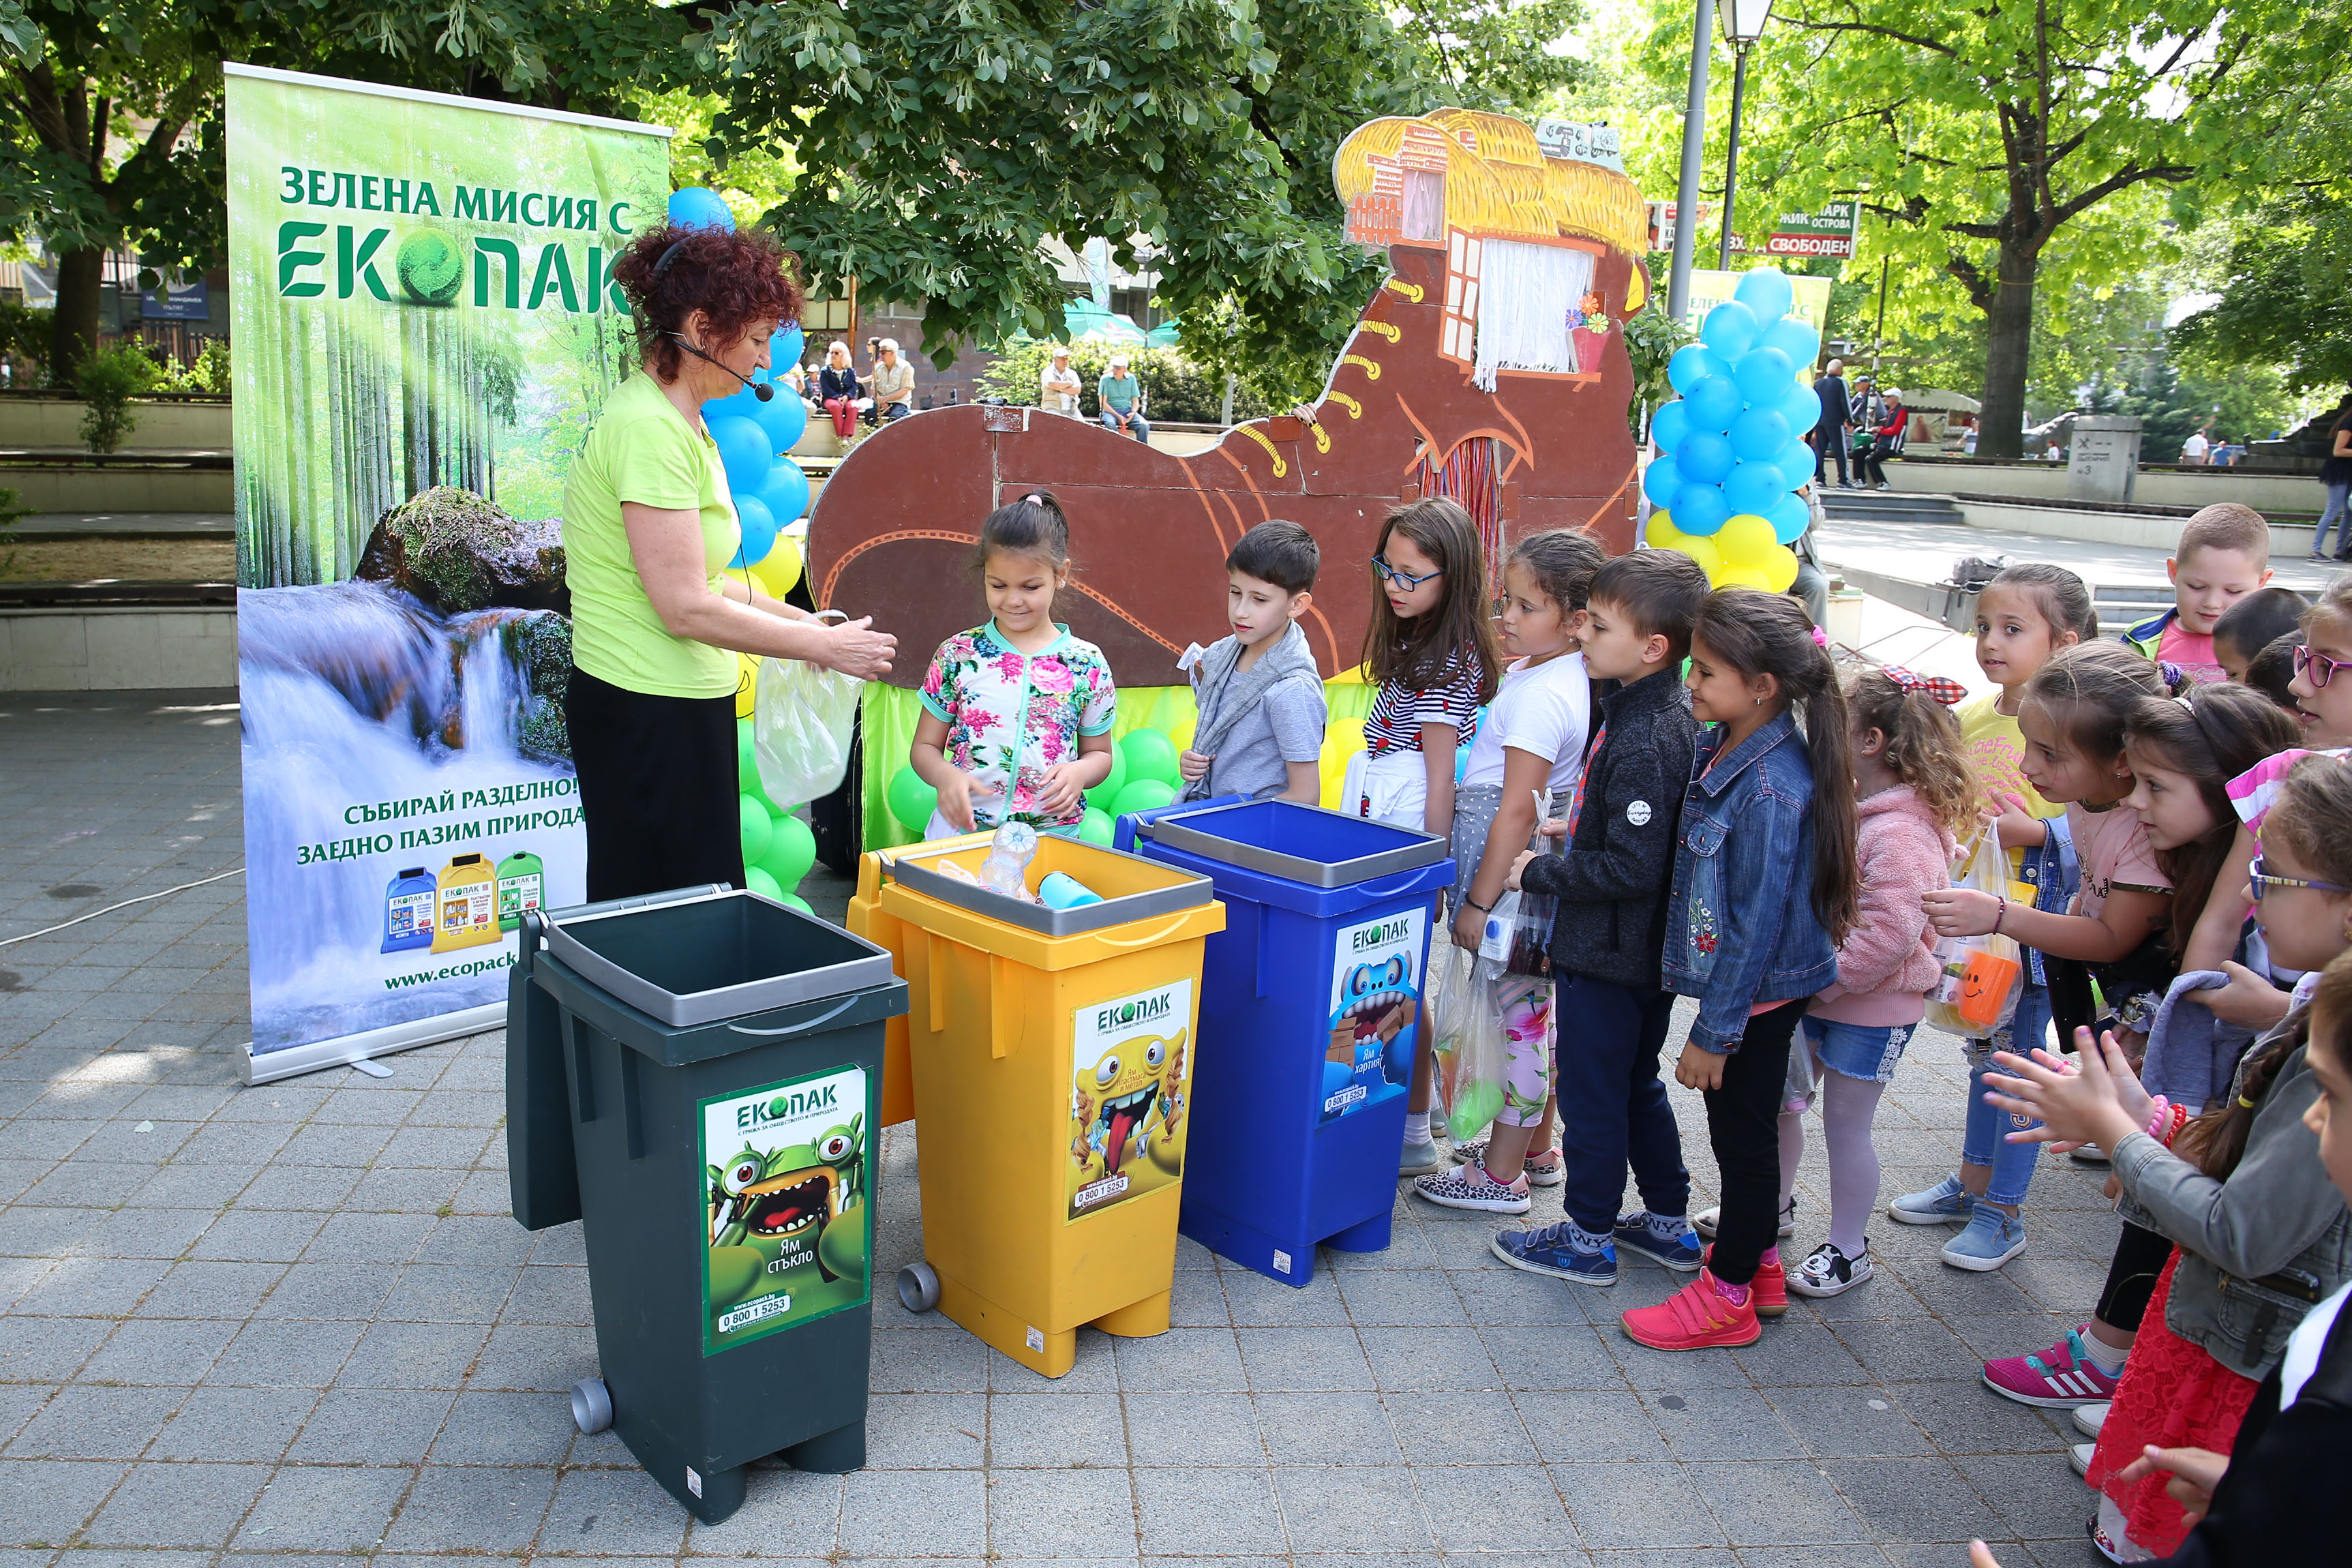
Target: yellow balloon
x,y
1780,568
780,569
1703,551
1180,732
1661,533
746,675
1745,539
1744,577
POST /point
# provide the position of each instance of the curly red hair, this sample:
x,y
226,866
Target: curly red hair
x,y
742,281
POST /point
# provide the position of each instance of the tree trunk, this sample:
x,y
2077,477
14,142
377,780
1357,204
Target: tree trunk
x,y
73,336
2000,426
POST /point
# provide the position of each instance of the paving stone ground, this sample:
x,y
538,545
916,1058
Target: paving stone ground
x,y
296,1324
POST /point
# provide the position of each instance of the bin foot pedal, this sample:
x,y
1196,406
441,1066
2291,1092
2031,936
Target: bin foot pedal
x,y
1137,1320
829,1453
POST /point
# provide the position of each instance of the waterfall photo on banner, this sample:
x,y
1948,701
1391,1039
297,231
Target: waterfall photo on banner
x,y
426,329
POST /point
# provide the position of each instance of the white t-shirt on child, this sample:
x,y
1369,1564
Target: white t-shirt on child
x,y
1542,708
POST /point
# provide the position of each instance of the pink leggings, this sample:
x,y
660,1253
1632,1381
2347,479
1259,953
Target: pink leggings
x,y
1525,1005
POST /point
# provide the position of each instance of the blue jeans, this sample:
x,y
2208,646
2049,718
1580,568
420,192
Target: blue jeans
x,y
1612,1108
2338,513
1864,1051
1135,425
1983,1141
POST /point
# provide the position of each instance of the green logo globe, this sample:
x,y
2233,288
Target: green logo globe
x,y
431,267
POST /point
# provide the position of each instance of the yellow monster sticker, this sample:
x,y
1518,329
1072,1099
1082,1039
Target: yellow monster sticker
x,y
1129,1094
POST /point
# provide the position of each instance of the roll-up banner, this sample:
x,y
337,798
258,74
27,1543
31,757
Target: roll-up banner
x,y
425,329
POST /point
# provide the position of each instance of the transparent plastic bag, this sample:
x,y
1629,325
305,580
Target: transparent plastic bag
x,y
1517,936
1466,1027
1977,992
802,718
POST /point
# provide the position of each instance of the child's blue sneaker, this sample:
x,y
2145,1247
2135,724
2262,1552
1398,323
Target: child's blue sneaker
x,y
1663,1239
1991,1239
1554,1250
1946,1203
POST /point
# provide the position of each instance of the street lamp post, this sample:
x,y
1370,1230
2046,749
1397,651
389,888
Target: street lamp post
x,y
1743,24
1694,153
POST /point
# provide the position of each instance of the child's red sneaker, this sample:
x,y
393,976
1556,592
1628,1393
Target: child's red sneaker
x,y
1695,1317
1768,1291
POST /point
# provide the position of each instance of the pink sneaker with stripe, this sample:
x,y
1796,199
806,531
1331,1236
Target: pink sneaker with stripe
x,y
2063,1377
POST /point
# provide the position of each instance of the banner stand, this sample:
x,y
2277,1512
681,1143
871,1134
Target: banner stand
x,y
296,1060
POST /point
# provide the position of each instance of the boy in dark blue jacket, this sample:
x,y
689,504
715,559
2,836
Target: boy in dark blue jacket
x,y
1613,882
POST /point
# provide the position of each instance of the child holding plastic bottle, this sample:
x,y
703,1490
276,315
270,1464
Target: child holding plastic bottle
x,y
1017,713
1765,887
1531,751
2026,616
1915,798
1430,649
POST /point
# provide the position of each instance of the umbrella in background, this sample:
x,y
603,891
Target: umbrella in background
x,y
1164,335
1088,324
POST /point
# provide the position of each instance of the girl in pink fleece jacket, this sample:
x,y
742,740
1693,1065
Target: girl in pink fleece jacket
x,y
1916,798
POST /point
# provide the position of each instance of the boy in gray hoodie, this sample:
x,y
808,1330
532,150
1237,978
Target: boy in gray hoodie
x,y
1259,694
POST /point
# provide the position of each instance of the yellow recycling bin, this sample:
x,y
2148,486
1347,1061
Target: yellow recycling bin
x,y
1051,1054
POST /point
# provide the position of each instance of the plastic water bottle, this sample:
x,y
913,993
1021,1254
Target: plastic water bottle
x,y
1006,868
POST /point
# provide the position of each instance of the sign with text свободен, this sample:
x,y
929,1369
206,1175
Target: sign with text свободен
x,y
1829,232
421,302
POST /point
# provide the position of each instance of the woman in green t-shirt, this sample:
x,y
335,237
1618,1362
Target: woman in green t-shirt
x,y
648,528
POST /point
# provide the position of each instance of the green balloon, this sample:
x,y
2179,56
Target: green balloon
x,y
1151,755
796,901
789,853
747,766
760,882
431,267
1103,793
1094,826
1143,794
911,800
759,827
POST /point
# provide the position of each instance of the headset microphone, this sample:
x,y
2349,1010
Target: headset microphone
x,y
762,390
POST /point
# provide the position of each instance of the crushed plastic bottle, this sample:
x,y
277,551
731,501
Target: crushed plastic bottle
x,y
1009,853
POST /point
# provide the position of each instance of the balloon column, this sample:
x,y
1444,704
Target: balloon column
x,y
778,847
1732,447
1142,777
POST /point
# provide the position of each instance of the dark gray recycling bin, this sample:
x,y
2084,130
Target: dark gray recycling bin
x,y
696,1075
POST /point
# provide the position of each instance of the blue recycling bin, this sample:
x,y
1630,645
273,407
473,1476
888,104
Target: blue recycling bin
x,y
1309,1019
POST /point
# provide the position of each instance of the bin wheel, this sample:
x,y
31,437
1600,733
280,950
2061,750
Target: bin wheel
x,y
918,1287
592,1405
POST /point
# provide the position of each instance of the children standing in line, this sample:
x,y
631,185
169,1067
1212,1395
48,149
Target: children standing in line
x,y
2262,1236
1259,694
1916,799
1765,887
1430,650
2224,556
1531,748
2073,719
1017,713
1611,879
2024,617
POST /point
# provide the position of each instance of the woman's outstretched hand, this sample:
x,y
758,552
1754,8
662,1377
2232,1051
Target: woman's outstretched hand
x,y
857,650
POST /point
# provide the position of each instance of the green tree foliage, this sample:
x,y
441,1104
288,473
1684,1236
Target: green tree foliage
x,y
2287,296
1506,55
2005,148
107,382
939,146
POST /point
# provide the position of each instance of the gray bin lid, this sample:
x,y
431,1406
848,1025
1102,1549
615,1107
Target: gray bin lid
x,y
1413,851
1190,891
662,925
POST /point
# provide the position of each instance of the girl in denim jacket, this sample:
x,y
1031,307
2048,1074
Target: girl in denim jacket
x,y
2262,1236
1765,887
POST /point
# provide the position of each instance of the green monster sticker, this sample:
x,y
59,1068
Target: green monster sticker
x,y
787,1228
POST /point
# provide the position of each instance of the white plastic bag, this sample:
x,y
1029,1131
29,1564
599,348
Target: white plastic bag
x,y
1977,992
802,718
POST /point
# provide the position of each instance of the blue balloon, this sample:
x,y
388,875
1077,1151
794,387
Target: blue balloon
x,y
758,526
1729,328
1700,509
1714,404
741,404
1800,407
1692,363
1789,517
697,207
744,452
1669,425
1704,458
1753,488
1757,434
786,493
1761,374
1794,338
783,417
1795,462
1765,291
785,347
1661,481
